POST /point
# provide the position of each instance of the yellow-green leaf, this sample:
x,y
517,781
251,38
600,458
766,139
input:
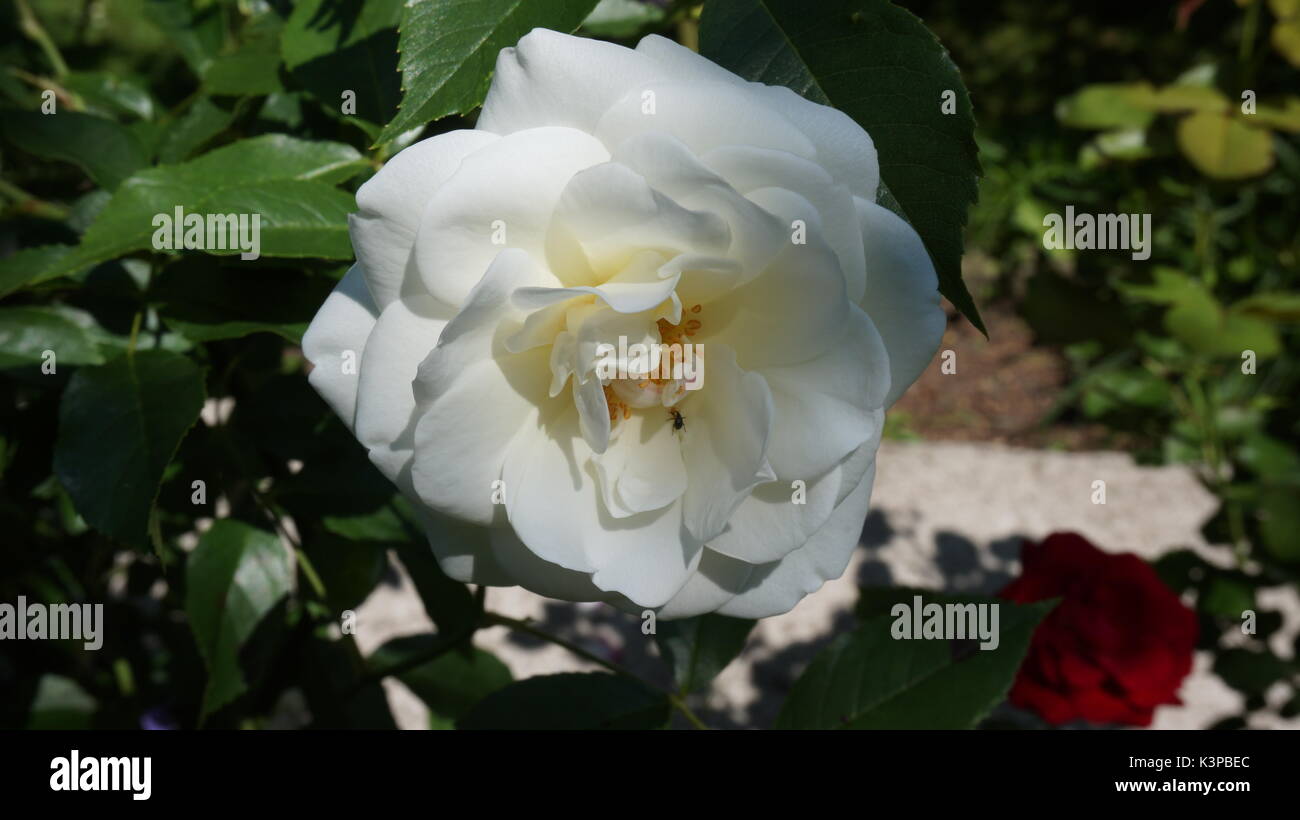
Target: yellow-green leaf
x,y
1224,147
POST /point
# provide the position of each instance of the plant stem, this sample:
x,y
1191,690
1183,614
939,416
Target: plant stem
x,y
494,619
28,204
35,32
680,704
135,332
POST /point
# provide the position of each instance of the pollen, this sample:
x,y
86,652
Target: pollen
x,y
617,407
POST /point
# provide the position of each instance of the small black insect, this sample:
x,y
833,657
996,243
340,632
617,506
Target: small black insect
x,y
679,421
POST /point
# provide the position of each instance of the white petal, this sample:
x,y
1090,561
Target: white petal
x,y
825,408
556,511
768,525
671,168
642,470
790,313
463,550
638,287
613,212
391,202
335,341
776,588
406,332
538,575
749,169
703,116
725,436
593,413
502,196
555,79
473,397
901,295
842,147
717,580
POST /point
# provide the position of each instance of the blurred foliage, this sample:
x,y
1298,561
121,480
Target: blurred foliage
x,y
1190,113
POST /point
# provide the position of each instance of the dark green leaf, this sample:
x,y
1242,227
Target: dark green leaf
x,y
868,680
449,49
880,65
205,299
119,425
1250,671
113,93
104,149
573,700
699,648
198,33
61,704
27,332
450,684
348,569
29,266
202,121
234,577
284,179
331,47
249,71
1279,523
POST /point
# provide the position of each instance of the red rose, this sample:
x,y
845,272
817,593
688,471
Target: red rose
x,y
1117,645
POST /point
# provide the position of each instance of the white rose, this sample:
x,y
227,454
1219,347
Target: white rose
x,y
647,195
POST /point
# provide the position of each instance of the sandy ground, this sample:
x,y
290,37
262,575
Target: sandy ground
x,y
945,516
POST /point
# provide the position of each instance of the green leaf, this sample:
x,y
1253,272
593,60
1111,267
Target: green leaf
x,y
205,298
202,121
330,48
451,684
1269,457
868,680
27,332
234,577
1224,147
699,648
1276,306
113,93
286,180
198,33
573,700
1105,106
1286,118
348,569
1227,597
337,693
30,266
298,218
1250,671
247,72
1279,523
61,704
119,425
1286,40
449,49
880,65
1197,320
107,151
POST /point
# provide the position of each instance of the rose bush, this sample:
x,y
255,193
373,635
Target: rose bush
x,y
644,196
1118,645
